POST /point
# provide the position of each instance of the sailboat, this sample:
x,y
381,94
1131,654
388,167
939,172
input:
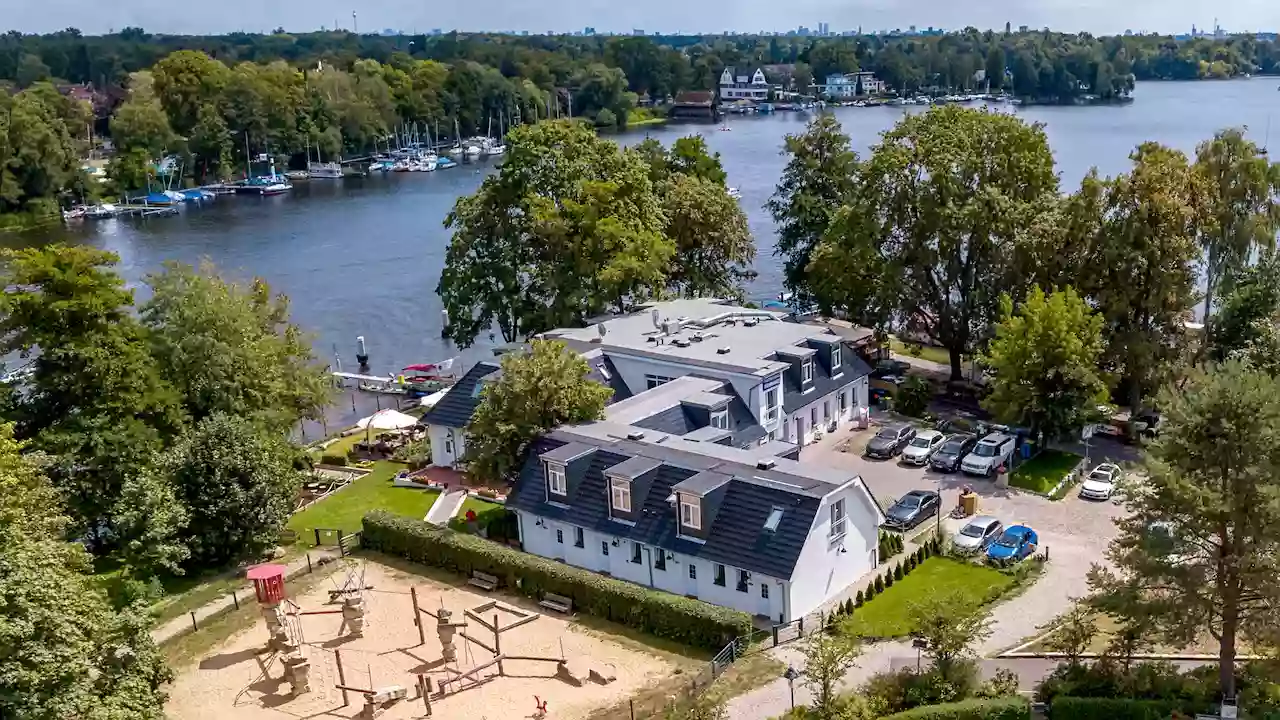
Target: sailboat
x,y
322,170
494,147
457,149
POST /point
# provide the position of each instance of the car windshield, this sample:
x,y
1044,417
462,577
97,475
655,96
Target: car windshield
x,y
973,530
1100,476
921,442
910,501
952,448
888,434
1010,539
985,450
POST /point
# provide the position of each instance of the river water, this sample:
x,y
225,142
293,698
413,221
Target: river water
x,y
361,257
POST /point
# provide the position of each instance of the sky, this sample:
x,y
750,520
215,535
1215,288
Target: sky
x,y
1096,16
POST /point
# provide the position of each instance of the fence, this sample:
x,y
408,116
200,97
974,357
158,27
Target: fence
x,y
345,542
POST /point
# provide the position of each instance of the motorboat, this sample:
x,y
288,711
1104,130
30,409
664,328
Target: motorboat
x,y
735,193
101,212
324,171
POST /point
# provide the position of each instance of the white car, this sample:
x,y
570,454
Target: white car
x,y
925,444
1101,482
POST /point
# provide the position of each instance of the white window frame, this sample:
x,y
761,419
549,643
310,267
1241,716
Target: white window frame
x,y
771,405
557,484
835,361
620,494
844,401
691,513
837,520
806,371
653,381
720,419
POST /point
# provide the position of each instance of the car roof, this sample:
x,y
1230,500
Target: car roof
x,y
1107,466
996,438
961,436
927,434
983,520
1019,529
920,493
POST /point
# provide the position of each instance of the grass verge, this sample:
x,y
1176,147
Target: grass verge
x,y
345,509
1043,472
924,352
888,615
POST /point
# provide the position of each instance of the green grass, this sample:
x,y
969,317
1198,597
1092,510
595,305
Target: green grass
x,y
889,613
1043,472
645,121
481,508
344,509
926,352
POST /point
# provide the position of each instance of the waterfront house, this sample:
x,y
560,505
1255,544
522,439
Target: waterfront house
x,y
844,86
780,380
735,86
741,528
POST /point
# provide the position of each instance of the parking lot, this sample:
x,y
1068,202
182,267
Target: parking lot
x,y
1076,532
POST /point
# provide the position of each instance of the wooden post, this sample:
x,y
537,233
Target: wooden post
x,y
309,562
342,679
775,636
497,643
417,617
317,531
632,703
235,599
194,627
424,687
341,550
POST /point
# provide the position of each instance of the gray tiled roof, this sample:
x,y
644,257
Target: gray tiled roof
x,y
459,404
852,367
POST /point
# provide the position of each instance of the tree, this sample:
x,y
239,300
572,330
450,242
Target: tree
x,y
1242,209
238,484
913,396
714,249
1073,632
186,81
67,653
568,228
231,348
950,623
1198,548
1043,361
1142,258
995,67
31,70
827,657
1247,324
817,180
537,391
149,519
702,707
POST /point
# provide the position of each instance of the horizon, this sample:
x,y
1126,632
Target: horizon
x,y
666,17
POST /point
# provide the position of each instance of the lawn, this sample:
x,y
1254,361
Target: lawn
x,y
1043,472
481,507
889,613
344,509
926,352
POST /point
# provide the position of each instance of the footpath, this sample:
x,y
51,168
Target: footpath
x,y
315,559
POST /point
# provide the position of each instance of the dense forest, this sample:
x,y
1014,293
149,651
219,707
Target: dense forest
x,y
213,100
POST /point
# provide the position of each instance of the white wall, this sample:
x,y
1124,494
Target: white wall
x,y
448,445
857,397
674,579
822,571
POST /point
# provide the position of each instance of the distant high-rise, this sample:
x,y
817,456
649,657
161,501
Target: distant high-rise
x,y
637,31
589,31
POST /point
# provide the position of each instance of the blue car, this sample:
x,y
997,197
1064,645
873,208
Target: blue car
x,y
1016,543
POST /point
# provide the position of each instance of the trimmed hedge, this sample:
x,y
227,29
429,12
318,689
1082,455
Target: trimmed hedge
x,y
975,709
682,619
1106,708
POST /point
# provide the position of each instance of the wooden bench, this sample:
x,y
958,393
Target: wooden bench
x,y
559,603
484,581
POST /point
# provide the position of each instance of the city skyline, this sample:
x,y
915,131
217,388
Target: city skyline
x,y
665,16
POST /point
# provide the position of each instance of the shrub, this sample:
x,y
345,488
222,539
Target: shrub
x,y
897,571
879,584
871,591
888,578
1105,708
848,607
858,599
333,459
606,118
913,396
919,555
975,709
684,620
910,565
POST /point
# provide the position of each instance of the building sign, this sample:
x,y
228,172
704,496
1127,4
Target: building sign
x,y
773,382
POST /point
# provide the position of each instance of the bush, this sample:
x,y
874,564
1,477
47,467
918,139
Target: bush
x,y
848,607
897,571
879,584
919,555
684,620
905,689
333,459
888,578
910,565
1105,708
871,592
913,396
858,600
976,709
606,118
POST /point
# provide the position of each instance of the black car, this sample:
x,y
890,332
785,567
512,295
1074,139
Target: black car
x,y
912,509
947,458
890,440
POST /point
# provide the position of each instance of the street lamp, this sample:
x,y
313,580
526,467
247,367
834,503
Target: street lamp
x,y
791,674
920,644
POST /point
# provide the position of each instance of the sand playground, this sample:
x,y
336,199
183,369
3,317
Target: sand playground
x,y
357,631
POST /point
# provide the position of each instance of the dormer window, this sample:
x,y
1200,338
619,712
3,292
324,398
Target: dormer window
x,y
806,371
835,360
690,512
720,419
555,480
620,494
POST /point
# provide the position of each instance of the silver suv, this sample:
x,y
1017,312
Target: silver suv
x,y
990,453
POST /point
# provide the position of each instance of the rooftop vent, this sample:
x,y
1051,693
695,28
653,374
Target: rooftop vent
x,y
697,336
604,371
635,435
751,322
775,517
766,464
722,350
680,342
653,339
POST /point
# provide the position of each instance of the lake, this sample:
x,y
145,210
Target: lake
x,y
361,257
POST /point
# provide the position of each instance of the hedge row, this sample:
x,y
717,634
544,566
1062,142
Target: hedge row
x,y
682,619
1012,708
1105,708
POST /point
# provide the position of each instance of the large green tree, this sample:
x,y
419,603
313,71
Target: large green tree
x,y
1199,549
229,347
1044,363
536,392
67,653
1247,323
186,81
818,179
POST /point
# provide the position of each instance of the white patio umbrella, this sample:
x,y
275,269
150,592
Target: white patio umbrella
x,y
387,420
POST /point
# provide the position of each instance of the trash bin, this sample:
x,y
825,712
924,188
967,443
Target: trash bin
x,y
969,502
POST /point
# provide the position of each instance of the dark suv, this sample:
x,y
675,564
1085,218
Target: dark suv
x,y
890,440
947,458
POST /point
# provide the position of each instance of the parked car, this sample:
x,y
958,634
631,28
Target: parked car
x,y
947,458
990,453
890,440
977,534
922,447
912,509
1016,543
1101,482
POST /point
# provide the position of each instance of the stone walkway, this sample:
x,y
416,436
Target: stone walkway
x,y
445,507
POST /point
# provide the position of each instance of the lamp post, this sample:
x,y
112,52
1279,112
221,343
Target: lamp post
x,y
920,644
791,674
